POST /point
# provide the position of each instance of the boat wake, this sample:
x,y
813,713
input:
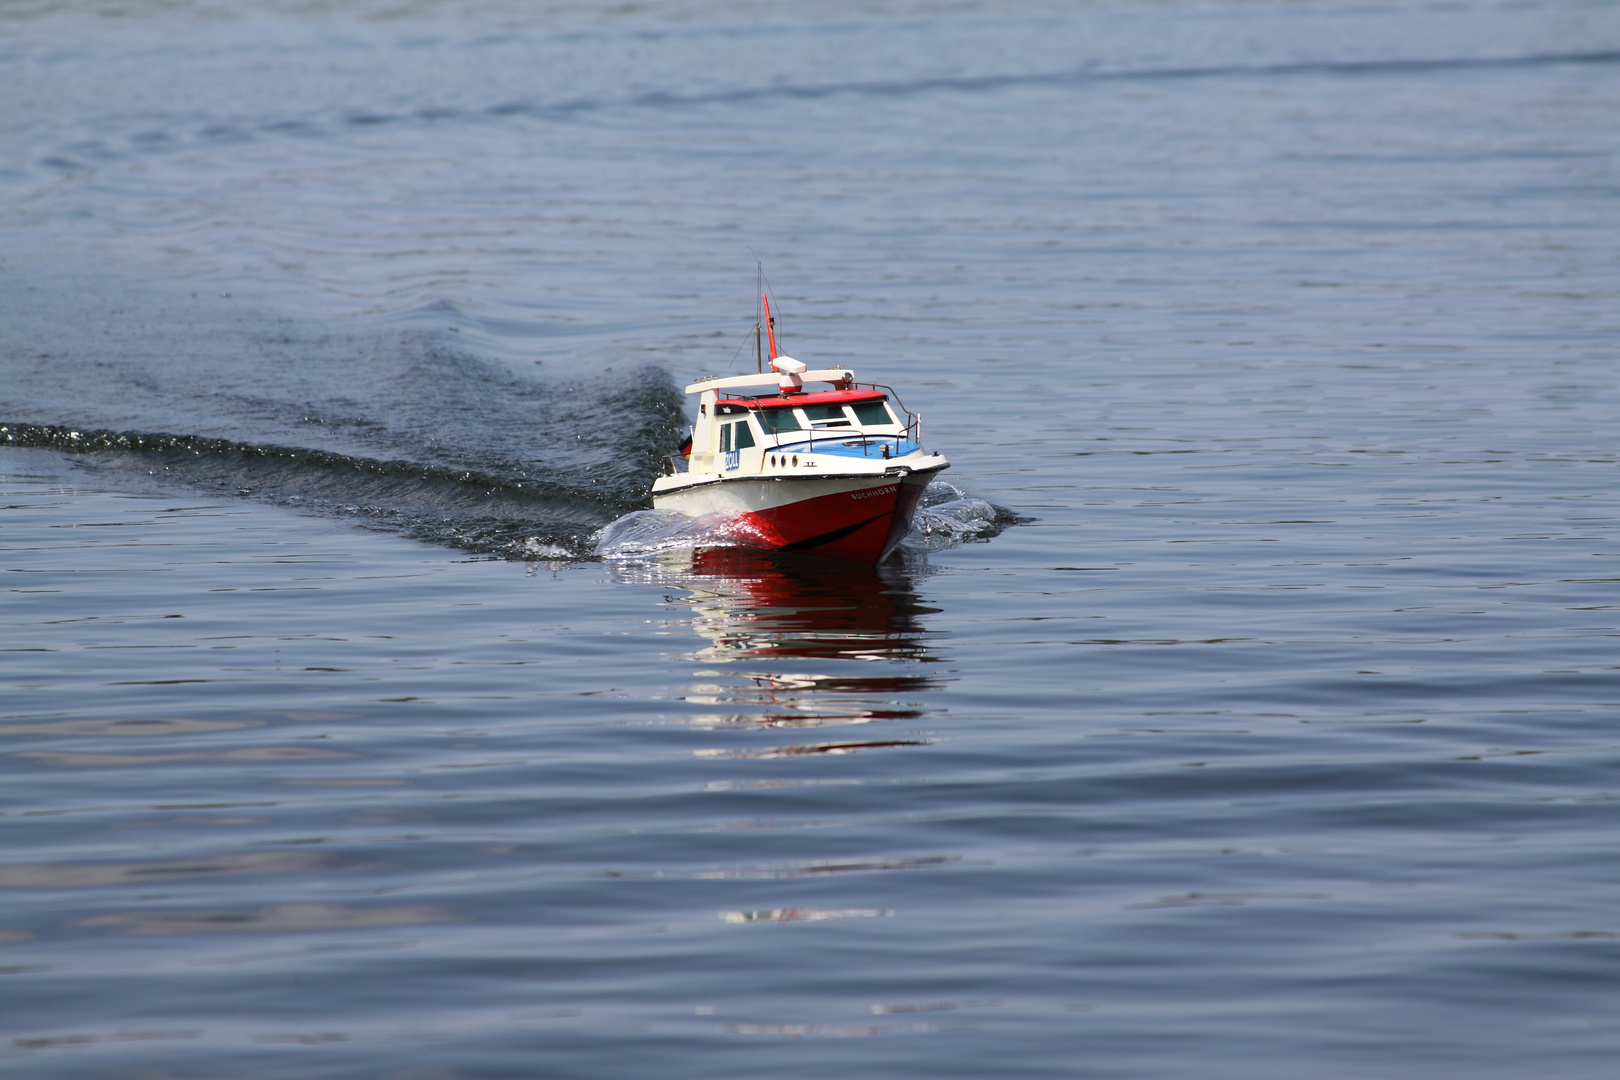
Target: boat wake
x,y
491,503
949,517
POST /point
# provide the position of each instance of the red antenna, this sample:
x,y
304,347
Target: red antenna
x,y
770,324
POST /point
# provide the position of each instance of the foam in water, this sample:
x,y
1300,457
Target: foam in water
x,y
948,516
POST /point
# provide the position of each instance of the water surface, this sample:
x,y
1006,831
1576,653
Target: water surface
x,y
1277,736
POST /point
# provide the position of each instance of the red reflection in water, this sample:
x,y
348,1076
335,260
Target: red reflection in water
x,y
793,641
781,605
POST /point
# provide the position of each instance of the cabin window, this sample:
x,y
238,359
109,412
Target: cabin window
x,y
872,413
725,438
745,435
815,413
774,420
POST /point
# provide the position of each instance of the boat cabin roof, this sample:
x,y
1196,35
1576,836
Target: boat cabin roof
x,y
826,397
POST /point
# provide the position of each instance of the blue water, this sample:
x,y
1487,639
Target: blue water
x,y
1248,706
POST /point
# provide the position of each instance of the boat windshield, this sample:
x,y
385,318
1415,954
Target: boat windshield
x,y
774,420
817,414
872,413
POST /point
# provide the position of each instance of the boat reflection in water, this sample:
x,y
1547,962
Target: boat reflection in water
x,y
799,642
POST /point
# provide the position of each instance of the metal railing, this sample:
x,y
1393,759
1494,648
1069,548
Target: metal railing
x,y
913,420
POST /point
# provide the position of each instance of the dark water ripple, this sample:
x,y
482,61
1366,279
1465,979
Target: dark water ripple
x,y
514,515
1247,708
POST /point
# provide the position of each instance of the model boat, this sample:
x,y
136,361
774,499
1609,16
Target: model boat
x,y
802,460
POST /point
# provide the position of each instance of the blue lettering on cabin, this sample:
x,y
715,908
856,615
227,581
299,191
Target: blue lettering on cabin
x,y
733,458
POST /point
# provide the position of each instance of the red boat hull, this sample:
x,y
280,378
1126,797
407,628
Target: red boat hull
x,y
863,525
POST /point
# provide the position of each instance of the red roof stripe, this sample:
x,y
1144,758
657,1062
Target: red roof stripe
x,y
827,397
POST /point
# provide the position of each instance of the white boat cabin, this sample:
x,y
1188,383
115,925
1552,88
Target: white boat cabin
x,y
741,434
